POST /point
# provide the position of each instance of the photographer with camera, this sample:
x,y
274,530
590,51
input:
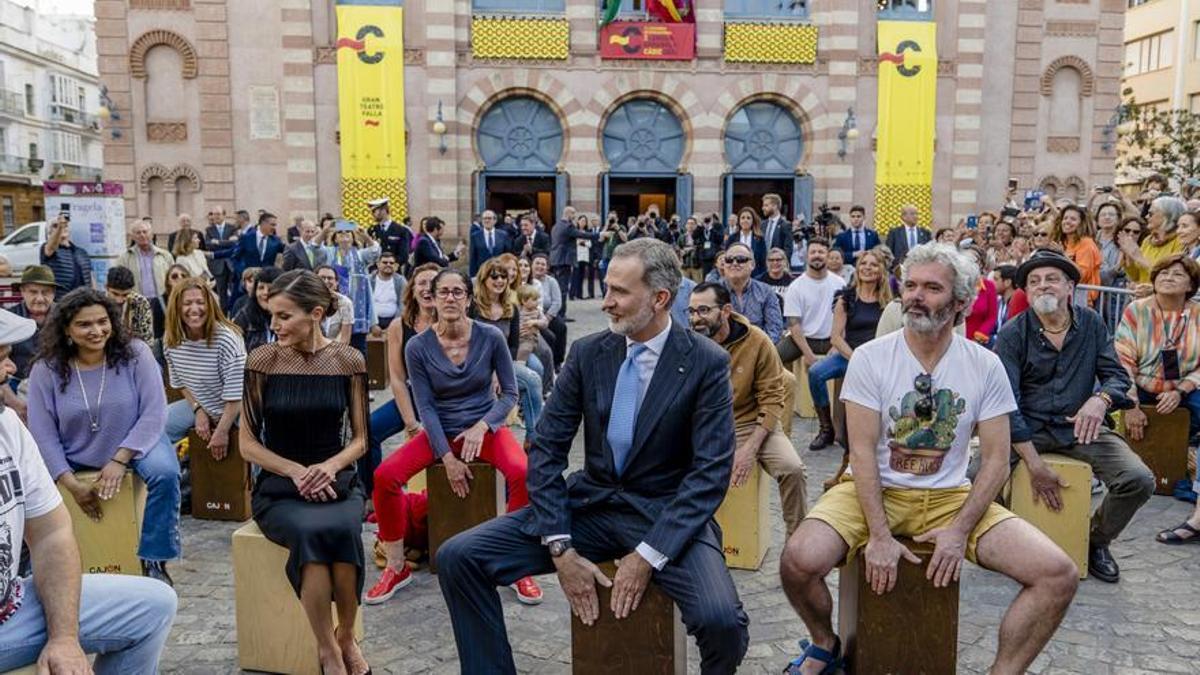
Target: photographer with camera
x,y
72,266
613,235
688,245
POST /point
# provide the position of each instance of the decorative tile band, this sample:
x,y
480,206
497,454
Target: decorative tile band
x,y
520,38
770,42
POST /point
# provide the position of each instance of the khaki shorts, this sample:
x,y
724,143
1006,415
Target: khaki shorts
x,y
910,511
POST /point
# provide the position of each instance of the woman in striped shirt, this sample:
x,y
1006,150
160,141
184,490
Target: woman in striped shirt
x,y
206,360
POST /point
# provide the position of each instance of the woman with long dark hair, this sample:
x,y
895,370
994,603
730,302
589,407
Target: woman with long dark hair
x,y
254,319
302,391
96,402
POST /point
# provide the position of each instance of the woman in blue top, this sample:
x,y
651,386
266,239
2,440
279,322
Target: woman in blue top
x,y
452,367
351,256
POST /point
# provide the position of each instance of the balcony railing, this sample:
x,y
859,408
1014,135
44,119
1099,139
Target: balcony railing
x,y
75,172
14,164
12,103
60,113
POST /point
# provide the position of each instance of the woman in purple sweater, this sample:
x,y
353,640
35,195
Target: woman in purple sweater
x,y
97,403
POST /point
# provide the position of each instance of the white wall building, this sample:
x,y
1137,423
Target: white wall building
x,y
49,96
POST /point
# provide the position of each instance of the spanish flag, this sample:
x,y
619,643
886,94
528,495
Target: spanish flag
x,y
671,11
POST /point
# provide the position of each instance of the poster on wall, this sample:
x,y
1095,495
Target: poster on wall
x,y
370,75
97,213
648,40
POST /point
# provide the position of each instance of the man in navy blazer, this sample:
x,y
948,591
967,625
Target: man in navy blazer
x,y
856,238
776,230
257,248
487,242
654,475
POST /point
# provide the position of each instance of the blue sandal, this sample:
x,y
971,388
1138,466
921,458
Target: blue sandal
x,y
834,661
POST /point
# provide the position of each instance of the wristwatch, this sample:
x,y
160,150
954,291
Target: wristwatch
x,y
559,547
1103,396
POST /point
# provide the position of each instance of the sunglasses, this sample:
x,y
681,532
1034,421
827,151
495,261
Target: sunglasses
x,y
1040,234
737,259
1131,230
498,275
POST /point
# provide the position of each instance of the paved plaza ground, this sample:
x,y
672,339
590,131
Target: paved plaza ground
x,y
1148,623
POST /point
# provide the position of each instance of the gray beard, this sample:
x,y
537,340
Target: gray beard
x,y
1045,304
927,325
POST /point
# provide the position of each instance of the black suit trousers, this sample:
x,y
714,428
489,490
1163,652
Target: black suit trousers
x,y
497,553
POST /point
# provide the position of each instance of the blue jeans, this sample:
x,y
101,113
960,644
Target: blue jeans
x,y
123,619
159,470
529,397
829,368
1191,402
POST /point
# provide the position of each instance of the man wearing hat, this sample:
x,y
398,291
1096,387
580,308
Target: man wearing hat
x,y
1054,354
37,289
392,236
58,616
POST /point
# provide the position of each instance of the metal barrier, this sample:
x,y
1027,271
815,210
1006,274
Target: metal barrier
x,y
1110,303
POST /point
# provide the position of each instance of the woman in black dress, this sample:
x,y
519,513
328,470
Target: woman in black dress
x,y
304,395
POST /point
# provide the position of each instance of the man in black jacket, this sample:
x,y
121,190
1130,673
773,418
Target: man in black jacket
x,y
711,241
219,236
392,236
531,240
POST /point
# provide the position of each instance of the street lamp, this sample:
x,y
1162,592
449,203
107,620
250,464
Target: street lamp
x,y
439,128
848,133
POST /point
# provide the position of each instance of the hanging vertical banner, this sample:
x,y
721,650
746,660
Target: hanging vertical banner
x,y
907,118
370,72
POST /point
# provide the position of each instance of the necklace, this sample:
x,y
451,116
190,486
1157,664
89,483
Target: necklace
x,y
94,419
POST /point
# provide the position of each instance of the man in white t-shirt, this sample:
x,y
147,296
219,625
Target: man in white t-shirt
x,y
913,399
60,616
808,308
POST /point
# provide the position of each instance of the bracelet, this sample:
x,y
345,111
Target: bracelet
x,y
124,464
196,408
1103,396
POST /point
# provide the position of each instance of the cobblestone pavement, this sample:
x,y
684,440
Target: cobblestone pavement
x,y
1148,623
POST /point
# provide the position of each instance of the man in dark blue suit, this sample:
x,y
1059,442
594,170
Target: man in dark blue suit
x,y
656,407
777,231
257,248
856,238
487,242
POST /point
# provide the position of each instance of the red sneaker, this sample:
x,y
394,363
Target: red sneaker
x,y
528,592
389,582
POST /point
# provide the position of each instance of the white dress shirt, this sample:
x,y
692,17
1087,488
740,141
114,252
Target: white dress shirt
x,y
646,363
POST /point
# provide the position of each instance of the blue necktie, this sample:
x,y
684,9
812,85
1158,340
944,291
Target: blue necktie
x,y
622,419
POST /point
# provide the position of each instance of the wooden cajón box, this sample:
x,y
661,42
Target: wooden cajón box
x,y
650,641
744,518
220,489
1069,528
1164,447
377,370
912,630
110,546
273,633
449,515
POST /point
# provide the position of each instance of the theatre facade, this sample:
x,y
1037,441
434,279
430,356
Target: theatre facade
x,y
518,104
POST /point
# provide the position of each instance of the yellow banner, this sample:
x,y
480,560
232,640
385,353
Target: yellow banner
x,y
370,71
907,119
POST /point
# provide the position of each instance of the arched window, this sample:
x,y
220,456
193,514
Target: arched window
x,y
763,137
643,136
185,192
157,198
520,134
1065,102
164,84
905,9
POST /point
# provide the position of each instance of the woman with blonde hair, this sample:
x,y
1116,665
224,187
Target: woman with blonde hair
x,y
856,313
495,303
206,362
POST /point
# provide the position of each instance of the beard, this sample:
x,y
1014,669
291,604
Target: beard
x,y
1045,304
924,321
706,329
628,325
817,265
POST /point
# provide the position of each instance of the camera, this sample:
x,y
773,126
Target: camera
x,y
827,215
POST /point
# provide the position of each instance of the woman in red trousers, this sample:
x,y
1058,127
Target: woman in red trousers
x,y
451,367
